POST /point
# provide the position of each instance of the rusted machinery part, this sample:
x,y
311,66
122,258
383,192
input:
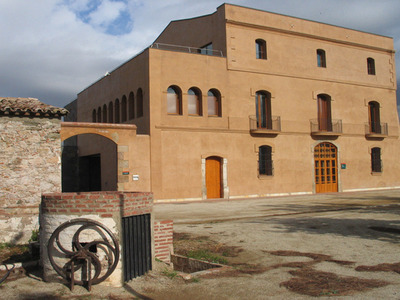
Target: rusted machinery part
x,y
81,252
8,272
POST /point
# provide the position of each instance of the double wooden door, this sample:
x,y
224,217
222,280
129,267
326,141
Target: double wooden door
x,y
325,164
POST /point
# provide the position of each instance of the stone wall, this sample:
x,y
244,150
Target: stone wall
x,y
29,166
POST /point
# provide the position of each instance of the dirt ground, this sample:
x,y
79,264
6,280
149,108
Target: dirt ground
x,y
341,246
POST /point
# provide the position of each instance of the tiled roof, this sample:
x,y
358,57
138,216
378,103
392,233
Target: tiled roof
x,y
31,107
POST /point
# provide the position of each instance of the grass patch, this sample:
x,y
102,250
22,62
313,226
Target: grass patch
x,y
10,253
5,245
171,274
203,248
206,255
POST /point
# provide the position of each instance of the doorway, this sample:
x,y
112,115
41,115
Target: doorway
x,y
374,117
263,110
90,173
325,165
214,177
324,113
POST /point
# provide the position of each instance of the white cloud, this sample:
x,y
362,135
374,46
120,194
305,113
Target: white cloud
x,y
106,13
52,49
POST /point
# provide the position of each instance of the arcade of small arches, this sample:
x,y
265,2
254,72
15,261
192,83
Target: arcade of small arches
x,y
120,111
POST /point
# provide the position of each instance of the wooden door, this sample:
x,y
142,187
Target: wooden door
x,y
325,164
263,110
213,177
374,117
324,113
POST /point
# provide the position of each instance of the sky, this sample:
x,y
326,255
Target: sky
x,y
54,49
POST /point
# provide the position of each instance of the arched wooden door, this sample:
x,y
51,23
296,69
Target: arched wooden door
x,y
213,177
325,164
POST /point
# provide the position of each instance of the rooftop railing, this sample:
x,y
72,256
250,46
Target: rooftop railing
x,y
187,49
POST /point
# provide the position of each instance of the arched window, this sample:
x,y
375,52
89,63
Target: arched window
x,y
99,115
214,103
321,58
131,106
194,102
139,99
117,112
371,66
111,112
263,110
376,162
265,166
104,113
374,117
94,115
174,100
324,113
123,109
261,49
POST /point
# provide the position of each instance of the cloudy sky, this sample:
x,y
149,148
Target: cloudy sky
x,y
53,49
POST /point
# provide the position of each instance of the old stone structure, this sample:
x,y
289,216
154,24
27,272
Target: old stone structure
x,y
113,210
30,163
247,103
108,208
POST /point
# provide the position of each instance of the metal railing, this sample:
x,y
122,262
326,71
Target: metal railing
x,y
187,49
272,124
376,128
321,126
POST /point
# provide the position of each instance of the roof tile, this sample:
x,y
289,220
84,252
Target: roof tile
x,y
29,107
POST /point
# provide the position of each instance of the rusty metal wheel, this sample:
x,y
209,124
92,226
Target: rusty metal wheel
x,y
83,251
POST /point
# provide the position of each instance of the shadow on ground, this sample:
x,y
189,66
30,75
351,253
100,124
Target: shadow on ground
x,y
387,230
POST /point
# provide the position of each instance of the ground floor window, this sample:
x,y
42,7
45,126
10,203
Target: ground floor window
x,y
265,166
376,162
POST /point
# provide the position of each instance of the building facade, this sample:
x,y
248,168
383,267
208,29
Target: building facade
x,y
247,103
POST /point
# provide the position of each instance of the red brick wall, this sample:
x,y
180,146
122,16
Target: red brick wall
x,y
163,240
110,205
104,204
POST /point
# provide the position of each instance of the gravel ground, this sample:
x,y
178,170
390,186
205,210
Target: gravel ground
x,y
285,242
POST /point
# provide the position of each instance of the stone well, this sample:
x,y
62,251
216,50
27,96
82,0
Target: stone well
x,y
107,208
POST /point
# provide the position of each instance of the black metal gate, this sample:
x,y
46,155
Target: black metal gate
x,y
136,245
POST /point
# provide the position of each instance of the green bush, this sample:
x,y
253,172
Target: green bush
x,y
34,236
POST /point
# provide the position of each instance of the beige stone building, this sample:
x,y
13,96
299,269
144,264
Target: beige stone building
x,y
247,103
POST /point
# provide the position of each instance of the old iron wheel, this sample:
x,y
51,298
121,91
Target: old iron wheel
x,y
83,251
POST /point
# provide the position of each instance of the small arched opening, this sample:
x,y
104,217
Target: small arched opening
x,y
89,163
